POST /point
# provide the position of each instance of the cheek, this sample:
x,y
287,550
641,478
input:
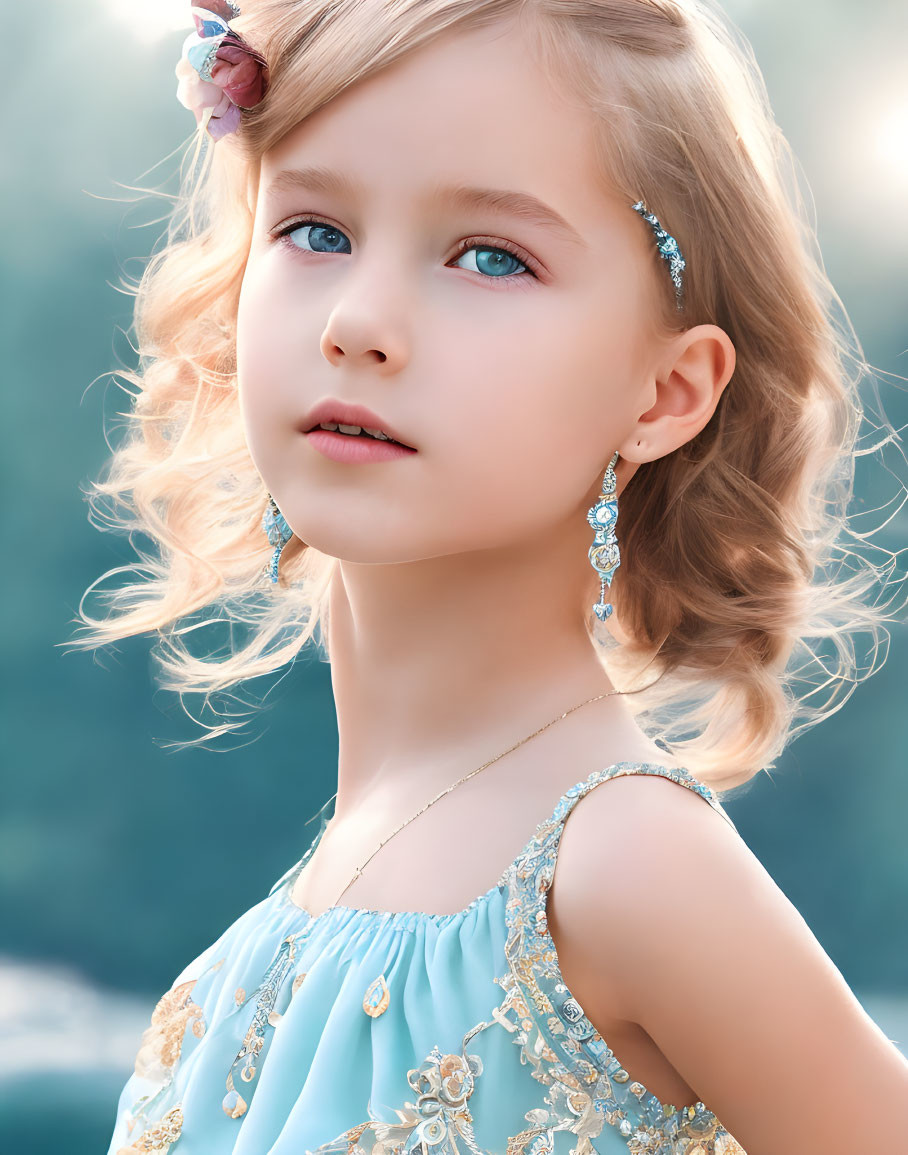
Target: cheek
x,y
555,398
265,380
530,431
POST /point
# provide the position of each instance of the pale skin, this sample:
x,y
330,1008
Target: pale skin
x,y
459,605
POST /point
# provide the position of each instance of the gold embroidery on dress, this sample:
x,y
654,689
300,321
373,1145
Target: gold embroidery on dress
x,y
437,1120
159,1054
161,1043
160,1137
246,1063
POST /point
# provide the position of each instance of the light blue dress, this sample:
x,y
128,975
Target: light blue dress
x,y
365,1032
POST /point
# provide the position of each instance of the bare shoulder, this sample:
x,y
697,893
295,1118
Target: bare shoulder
x,y
627,857
675,925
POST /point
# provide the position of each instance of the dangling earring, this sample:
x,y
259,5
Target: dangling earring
x,y
604,554
279,533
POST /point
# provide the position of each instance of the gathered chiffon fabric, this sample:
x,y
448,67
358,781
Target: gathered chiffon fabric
x,y
367,1032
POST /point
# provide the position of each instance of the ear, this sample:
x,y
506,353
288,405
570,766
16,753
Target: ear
x,y
688,382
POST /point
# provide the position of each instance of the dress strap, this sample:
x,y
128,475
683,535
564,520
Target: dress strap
x,y
548,832
552,1027
572,796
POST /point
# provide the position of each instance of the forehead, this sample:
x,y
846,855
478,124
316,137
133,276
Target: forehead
x,y
472,110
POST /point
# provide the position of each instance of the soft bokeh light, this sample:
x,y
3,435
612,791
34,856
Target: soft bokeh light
x,y
153,19
892,141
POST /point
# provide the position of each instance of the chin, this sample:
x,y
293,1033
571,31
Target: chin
x,y
356,551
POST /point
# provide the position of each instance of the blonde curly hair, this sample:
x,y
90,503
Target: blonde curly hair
x,y
738,561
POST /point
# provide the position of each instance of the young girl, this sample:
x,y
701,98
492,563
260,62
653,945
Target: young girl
x,y
542,254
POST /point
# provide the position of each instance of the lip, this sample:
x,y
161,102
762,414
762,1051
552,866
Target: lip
x,y
332,410
354,450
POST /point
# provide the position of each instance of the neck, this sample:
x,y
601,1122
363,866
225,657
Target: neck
x,y
441,664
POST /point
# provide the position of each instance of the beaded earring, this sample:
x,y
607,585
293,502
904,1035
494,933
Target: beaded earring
x,y
278,532
604,554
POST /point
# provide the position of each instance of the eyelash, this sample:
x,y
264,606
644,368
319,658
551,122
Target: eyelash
x,y
465,246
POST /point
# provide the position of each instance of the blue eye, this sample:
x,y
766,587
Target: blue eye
x,y
496,262
319,234
499,257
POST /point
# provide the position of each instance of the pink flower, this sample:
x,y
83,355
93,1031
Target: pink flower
x,y
204,98
239,73
219,75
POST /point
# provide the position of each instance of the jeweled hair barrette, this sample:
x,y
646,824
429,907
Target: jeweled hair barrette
x,y
668,247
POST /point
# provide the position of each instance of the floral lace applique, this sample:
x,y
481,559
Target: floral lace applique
x,y
158,1057
162,1042
440,1116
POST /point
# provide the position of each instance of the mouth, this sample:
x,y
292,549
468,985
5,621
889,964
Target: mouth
x,y
350,420
354,432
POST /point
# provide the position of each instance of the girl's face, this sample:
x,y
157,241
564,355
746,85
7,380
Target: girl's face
x,y
505,335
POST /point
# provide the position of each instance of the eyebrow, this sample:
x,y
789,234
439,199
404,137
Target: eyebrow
x,y
517,204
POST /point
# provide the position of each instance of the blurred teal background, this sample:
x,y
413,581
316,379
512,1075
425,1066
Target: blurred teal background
x,y
121,860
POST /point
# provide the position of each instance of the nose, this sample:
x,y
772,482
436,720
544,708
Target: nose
x,y
336,353
372,316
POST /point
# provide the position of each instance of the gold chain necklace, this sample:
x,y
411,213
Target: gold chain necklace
x,y
448,790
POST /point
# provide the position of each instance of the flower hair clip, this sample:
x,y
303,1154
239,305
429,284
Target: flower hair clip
x,y
219,73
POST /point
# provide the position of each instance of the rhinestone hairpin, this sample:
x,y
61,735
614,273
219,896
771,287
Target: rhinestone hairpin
x,y
668,248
